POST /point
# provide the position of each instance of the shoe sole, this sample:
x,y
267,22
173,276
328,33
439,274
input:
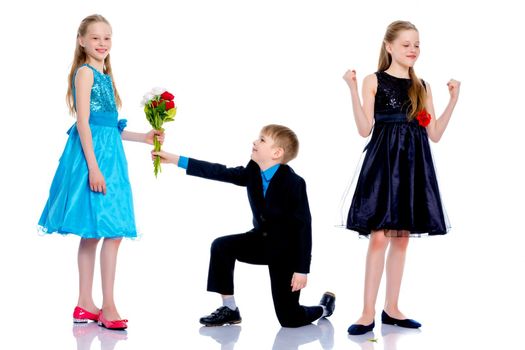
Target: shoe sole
x,y
82,320
221,324
398,325
75,320
113,329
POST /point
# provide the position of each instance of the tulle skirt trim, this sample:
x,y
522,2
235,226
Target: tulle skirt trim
x,y
44,231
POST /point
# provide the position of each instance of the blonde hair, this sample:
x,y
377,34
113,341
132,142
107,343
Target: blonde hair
x,y
285,138
416,92
80,58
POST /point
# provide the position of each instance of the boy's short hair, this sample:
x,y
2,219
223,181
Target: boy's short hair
x,y
285,138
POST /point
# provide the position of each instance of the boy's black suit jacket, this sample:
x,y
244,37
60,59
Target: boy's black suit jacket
x,y
282,217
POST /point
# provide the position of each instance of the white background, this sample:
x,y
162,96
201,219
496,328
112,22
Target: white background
x,y
235,66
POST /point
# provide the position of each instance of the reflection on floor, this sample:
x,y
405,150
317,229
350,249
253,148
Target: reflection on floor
x,y
323,332
286,338
85,333
390,335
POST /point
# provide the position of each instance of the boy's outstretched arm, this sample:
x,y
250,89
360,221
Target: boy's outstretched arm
x,y
207,170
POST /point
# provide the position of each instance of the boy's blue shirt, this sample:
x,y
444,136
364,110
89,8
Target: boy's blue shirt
x,y
267,176
183,162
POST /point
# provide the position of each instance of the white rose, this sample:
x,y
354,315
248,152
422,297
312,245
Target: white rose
x,y
149,96
146,98
157,90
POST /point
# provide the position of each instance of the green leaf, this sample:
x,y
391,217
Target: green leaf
x,y
162,106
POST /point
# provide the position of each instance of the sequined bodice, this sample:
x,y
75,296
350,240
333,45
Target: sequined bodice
x,y
392,94
102,95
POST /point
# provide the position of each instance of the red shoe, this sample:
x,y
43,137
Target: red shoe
x,y
116,324
82,316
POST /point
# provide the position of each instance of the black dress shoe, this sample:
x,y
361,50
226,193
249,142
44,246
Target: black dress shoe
x,y
406,323
221,316
358,329
328,301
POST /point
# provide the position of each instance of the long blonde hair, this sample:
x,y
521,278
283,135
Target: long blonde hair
x,y
80,58
416,92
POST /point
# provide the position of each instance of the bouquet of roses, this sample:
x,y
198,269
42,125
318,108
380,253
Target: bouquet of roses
x,y
159,108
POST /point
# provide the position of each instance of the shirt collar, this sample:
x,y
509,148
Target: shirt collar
x,y
270,172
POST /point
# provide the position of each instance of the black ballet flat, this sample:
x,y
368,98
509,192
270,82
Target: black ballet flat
x,y
358,329
406,323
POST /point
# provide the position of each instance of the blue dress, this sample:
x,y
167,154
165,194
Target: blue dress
x,y
72,207
397,189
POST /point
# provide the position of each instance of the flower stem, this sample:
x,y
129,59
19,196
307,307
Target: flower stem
x,y
156,162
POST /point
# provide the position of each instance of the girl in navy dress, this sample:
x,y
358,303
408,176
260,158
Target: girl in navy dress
x,y
90,195
396,194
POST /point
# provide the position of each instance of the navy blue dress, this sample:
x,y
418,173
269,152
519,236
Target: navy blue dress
x,y
397,189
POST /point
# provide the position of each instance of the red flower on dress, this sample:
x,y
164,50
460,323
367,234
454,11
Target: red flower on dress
x,y
423,117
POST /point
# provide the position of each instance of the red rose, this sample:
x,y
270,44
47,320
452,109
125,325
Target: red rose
x,y
167,96
423,117
170,105
155,103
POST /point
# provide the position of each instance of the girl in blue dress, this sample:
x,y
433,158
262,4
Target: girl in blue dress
x,y
90,195
396,194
